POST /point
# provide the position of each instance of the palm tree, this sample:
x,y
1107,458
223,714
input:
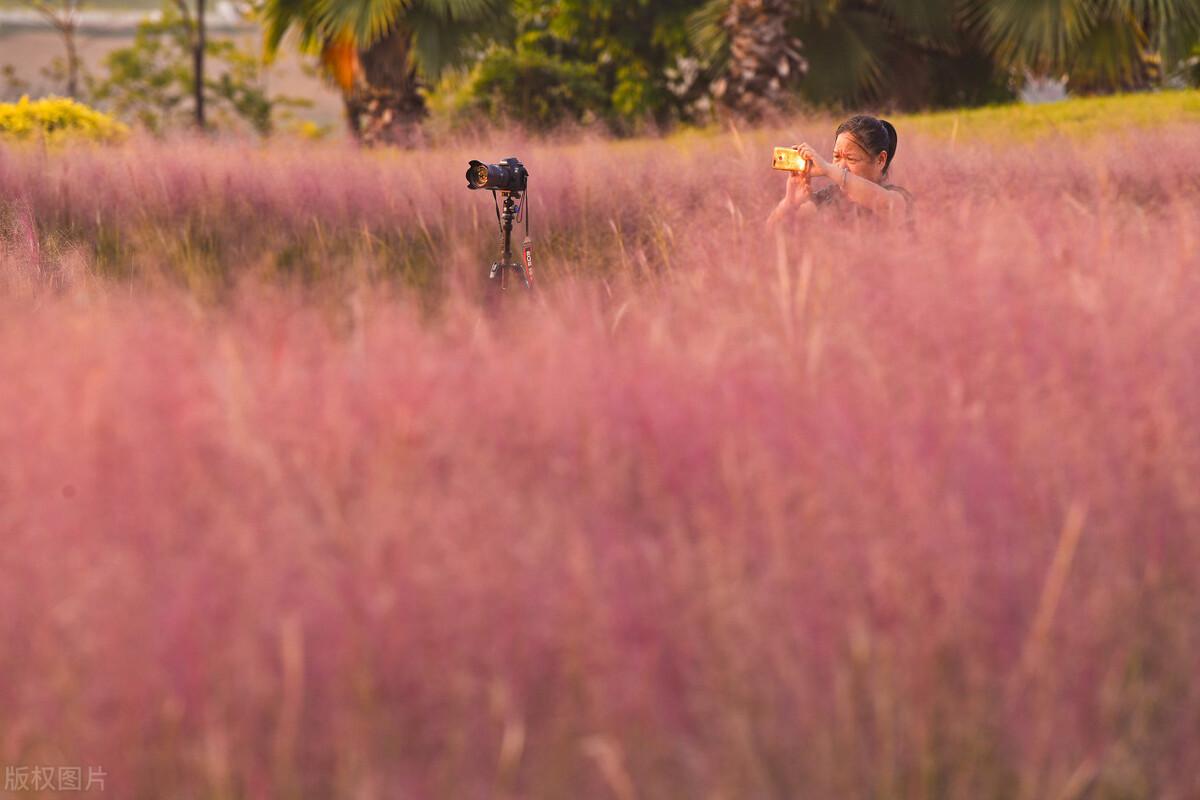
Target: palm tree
x,y
914,53
1101,45
907,53
761,56
378,52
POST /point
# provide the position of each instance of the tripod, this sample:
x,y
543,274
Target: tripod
x,y
498,275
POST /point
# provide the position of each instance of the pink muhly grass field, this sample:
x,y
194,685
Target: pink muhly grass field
x,y
850,512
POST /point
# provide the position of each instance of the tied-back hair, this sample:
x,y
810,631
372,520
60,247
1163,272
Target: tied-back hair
x,y
875,135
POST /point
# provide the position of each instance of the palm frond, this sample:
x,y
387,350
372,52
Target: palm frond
x,y
452,11
442,36
339,57
706,34
933,19
1173,26
330,26
1111,55
279,16
362,21
846,55
1168,11
1037,34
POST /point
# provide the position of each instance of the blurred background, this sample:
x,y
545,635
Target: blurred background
x,y
402,71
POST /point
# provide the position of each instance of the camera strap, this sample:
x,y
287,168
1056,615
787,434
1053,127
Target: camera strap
x,y
527,245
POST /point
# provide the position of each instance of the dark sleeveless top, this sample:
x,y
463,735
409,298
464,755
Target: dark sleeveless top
x,y
832,197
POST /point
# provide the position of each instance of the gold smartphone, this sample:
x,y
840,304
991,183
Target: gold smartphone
x,y
789,160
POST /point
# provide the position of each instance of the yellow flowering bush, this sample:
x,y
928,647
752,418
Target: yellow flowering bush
x,y
56,119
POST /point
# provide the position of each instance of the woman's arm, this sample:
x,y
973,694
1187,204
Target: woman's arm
x,y
784,210
871,195
865,193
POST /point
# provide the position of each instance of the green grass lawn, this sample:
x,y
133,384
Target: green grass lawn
x,y
1081,118
1075,117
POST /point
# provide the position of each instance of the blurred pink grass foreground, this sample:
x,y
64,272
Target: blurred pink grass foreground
x,y
840,514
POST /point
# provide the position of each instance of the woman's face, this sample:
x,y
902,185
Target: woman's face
x,y
849,153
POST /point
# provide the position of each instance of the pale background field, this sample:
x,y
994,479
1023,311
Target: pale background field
x,y
31,50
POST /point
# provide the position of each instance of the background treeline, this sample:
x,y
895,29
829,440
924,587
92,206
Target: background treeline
x,y
624,62
627,64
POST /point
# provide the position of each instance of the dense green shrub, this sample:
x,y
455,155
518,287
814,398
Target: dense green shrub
x,y
525,83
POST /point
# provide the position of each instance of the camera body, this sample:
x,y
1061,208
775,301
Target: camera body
x,y
509,175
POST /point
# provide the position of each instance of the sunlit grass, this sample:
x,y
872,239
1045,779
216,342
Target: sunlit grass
x,y
1075,117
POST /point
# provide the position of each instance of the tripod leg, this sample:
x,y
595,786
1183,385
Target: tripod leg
x,y
517,268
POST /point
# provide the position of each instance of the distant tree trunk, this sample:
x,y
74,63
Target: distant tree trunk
x,y
68,34
198,59
763,58
383,105
197,38
65,19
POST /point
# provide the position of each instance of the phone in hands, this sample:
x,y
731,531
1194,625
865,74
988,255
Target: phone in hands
x,y
788,159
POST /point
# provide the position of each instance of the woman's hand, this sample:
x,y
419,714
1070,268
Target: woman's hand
x,y
799,191
795,200
817,165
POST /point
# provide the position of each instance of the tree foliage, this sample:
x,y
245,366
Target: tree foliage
x,y
620,62
1100,45
666,61
151,81
528,83
662,61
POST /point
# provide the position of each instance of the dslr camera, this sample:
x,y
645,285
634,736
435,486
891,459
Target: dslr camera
x,y
509,175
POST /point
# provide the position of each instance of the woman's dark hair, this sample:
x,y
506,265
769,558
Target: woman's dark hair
x,y
875,136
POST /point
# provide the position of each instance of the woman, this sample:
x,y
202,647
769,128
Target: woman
x,y
862,156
